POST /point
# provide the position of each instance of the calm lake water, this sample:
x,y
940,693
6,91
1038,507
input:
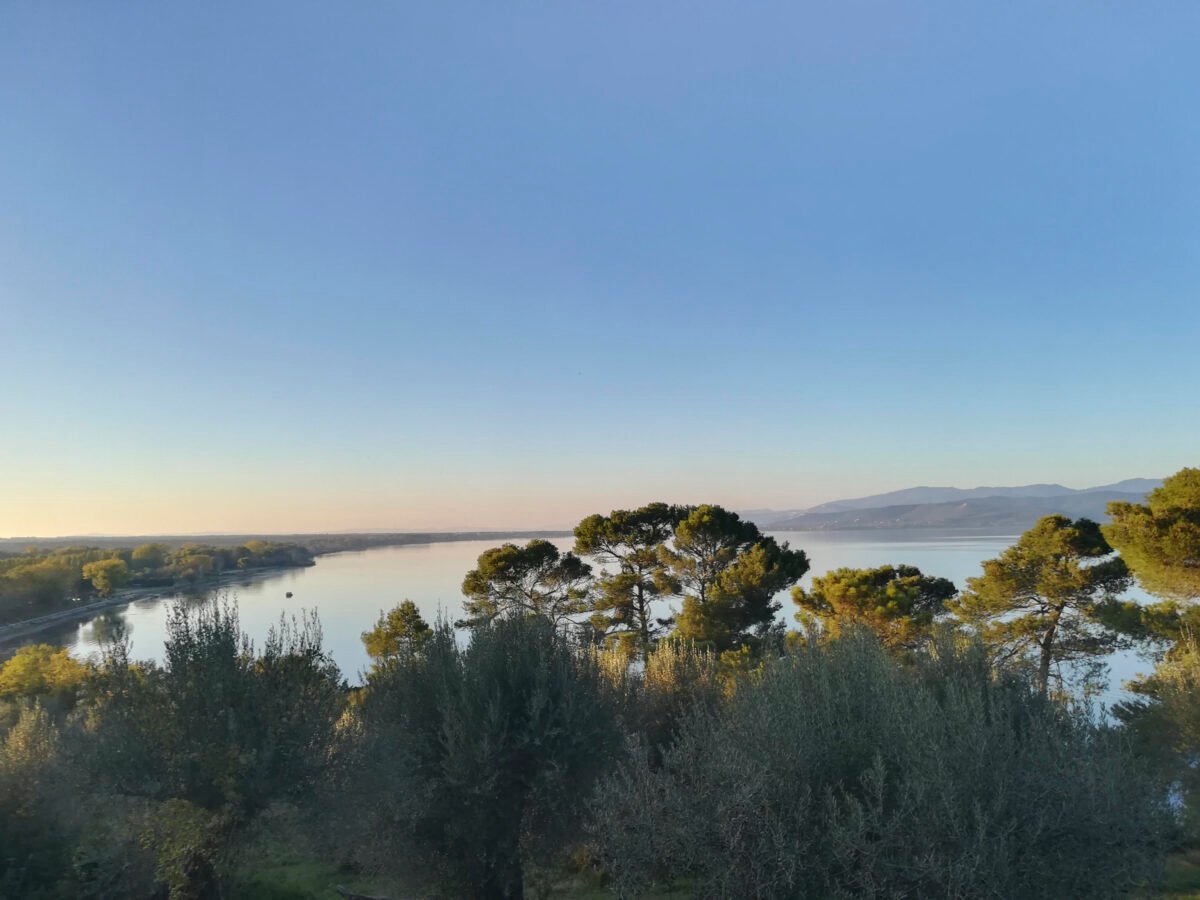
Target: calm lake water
x,y
348,590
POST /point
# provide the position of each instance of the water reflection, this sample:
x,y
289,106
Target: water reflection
x,y
107,628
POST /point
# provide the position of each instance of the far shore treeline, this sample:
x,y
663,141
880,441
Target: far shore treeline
x,y
37,582
632,718
45,575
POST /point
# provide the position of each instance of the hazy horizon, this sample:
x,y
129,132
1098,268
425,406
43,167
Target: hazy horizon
x,y
562,524
295,268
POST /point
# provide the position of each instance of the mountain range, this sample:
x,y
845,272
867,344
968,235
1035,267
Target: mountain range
x,y
1001,509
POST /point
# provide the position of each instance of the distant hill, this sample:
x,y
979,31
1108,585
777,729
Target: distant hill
x,y
1001,513
1001,508
926,495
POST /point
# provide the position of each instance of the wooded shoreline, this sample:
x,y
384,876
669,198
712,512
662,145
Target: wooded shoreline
x,y
13,634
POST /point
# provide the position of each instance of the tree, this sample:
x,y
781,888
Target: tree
x,y
898,603
204,742
1044,595
534,580
218,724
150,556
1164,719
1160,540
839,773
729,573
630,540
41,670
475,758
398,633
36,840
31,589
106,575
192,566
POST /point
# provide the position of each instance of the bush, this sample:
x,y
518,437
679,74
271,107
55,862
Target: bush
x,y
42,671
217,725
471,760
1164,719
678,676
35,845
839,773
210,738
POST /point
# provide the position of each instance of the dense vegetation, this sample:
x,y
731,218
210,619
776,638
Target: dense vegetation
x,y
36,582
839,772
579,736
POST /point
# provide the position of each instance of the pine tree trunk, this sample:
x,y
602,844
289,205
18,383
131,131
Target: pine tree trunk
x,y
1047,646
1044,670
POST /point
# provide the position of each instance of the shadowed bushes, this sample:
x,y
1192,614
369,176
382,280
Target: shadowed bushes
x,y
832,769
473,760
840,773
193,750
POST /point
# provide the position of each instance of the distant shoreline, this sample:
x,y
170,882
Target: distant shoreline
x,y
16,631
13,633
317,542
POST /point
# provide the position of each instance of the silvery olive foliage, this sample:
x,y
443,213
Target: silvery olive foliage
x,y
841,773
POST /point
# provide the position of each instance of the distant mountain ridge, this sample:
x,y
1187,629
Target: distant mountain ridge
x,y
1001,508
923,495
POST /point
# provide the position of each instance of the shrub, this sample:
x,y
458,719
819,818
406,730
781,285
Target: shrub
x,y
35,846
217,725
839,773
474,759
677,677
42,671
212,736
1165,721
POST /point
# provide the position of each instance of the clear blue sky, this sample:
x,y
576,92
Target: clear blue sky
x,y
295,266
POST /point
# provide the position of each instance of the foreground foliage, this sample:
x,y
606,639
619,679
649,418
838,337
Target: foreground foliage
x,y
584,735
148,782
841,773
1164,718
472,759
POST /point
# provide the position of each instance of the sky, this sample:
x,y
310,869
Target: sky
x,y
284,267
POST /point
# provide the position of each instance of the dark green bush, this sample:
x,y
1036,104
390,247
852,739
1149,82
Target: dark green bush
x,y
841,773
217,725
207,740
472,760
1163,719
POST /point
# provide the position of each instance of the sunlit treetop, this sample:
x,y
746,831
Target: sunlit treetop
x,y
1160,540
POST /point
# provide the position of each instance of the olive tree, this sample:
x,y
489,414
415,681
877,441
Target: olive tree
x,y
214,734
471,760
841,772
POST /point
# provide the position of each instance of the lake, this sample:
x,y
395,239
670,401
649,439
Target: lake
x,y
348,590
